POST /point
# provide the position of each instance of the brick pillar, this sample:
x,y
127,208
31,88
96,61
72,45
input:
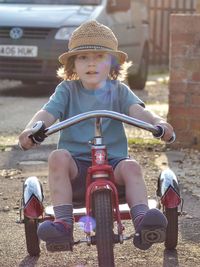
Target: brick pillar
x,y
184,85
198,6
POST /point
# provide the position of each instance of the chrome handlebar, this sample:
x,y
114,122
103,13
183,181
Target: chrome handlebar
x,y
157,131
103,114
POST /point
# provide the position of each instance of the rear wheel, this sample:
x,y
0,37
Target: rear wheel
x,y
32,241
172,228
104,227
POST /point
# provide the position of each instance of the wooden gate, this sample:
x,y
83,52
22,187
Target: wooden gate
x,y
159,17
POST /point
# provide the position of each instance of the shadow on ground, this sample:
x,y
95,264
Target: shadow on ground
x,y
28,90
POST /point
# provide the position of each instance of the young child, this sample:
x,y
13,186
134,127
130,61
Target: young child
x,y
92,68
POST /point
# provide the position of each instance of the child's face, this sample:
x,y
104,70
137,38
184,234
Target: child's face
x,y
93,68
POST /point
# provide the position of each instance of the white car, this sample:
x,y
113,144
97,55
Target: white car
x,y
33,33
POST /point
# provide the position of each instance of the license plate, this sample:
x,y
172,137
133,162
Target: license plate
x,y
18,51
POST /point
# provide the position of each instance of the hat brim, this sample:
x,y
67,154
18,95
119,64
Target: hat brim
x,y
120,55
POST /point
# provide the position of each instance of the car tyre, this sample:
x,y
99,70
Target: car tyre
x,y
138,81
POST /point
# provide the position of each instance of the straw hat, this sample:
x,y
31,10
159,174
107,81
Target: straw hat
x,y
92,36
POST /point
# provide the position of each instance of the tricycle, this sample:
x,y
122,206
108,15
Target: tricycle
x,y
103,208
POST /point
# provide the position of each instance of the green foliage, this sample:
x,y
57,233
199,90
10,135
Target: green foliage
x,y
144,141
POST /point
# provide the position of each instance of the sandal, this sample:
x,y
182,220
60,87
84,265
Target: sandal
x,y
58,235
152,229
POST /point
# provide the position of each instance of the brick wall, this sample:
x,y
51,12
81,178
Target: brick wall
x,y
184,86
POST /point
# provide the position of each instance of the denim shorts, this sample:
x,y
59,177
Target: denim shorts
x,y
79,183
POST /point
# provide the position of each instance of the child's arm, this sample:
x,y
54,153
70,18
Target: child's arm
x,y
24,141
138,112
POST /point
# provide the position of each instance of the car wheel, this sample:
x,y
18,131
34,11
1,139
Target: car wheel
x,y
138,81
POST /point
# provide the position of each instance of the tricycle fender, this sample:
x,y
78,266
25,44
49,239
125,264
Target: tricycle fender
x,y
32,198
168,189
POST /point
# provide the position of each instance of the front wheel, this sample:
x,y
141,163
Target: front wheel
x,y
172,228
32,241
102,207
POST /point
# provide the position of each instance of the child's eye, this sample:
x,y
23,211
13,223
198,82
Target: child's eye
x,y
100,56
81,57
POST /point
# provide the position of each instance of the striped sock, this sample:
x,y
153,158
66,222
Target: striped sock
x,y
137,213
64,212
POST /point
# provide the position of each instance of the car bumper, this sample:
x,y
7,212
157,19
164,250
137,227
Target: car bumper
x,y
28,69
43,67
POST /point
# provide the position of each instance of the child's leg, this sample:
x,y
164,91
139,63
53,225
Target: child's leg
x,y
151,222
129,173
58,234
62,169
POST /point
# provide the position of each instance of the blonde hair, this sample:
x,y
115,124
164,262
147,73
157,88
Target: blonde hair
x,y
117,71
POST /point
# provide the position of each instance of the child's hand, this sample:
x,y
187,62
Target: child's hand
x,y
168,131
25,142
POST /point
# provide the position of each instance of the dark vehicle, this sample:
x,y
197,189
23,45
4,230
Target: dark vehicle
x,y
33,33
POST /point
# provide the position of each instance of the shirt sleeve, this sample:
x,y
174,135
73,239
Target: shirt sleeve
x,y
128,98
58,102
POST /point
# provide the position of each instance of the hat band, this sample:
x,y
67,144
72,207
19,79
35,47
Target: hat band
x,y
85,47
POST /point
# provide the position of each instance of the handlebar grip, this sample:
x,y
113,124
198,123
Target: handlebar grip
x,y
161,132
38,132
172,139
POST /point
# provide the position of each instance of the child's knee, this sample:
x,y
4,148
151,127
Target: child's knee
x,y
132,166
58,158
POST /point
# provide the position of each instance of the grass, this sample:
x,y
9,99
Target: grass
x,y
143,141
8,140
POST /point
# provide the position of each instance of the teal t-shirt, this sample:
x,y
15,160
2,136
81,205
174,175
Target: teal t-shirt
x,y
71,98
